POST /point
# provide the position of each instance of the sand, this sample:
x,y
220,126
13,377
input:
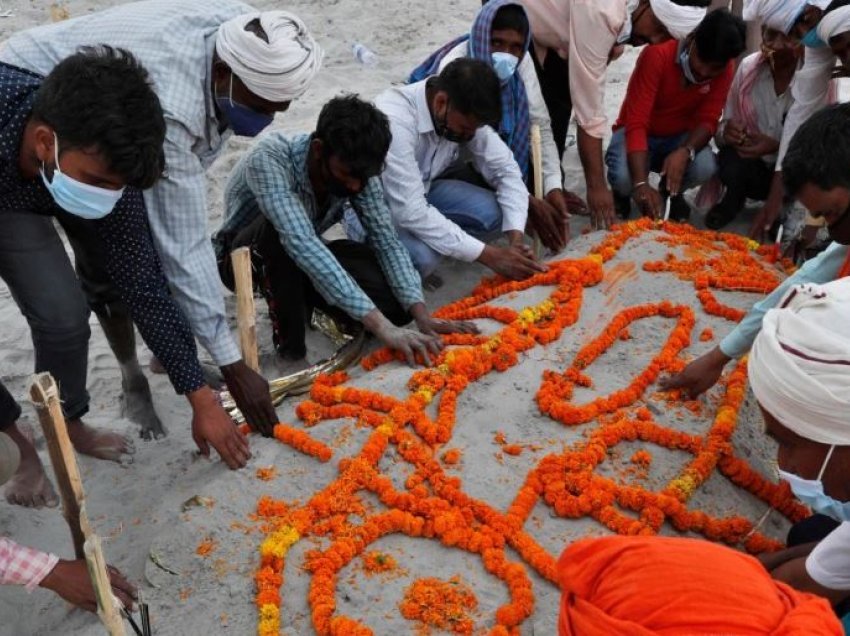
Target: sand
x,y
139,509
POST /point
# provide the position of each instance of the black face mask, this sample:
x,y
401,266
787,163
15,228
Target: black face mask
x,y
443,130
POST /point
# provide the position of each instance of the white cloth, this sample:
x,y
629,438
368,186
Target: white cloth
x,y
834,23
778,15
799,366
538,113
418,155
10,458
679,20
829,563
279,70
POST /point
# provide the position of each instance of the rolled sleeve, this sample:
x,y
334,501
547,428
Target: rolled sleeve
x,y
821,269
268,177
829,563
496,163
20,565
594,27
178,218
392,256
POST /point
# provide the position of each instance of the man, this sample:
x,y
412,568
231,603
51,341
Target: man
x,y
799,374
646,585
669,115
574,41
749,135
81,144
815,172
436,215
287,192
500,35
20,565
798,19
219,67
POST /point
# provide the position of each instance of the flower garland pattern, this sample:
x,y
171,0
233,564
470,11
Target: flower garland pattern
x,y
433,505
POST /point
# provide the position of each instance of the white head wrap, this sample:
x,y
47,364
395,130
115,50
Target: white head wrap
x,y
799,366
779,15
10,458
679,20
834,23
279,70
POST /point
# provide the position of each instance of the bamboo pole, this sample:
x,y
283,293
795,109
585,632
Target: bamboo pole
x,y
45,397
537,168
246,317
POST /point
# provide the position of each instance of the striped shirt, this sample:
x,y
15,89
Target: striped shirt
x,y
175,42
272,180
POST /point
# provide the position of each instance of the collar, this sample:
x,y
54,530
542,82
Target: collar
x,y
424,121
24,86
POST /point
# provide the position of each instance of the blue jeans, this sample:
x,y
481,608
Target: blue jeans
x,y
473,208
700,170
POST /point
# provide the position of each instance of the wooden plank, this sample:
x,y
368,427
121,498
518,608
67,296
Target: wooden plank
x,y
537,168
246,316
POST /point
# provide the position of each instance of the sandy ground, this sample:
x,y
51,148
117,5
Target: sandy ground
x,y
139,508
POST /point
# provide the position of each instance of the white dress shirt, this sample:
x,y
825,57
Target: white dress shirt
x,y
829,563
175,42
538,113
418,155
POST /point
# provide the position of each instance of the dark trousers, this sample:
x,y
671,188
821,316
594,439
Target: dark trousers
x,y
290,294
554,78
809,530
36,268
744,178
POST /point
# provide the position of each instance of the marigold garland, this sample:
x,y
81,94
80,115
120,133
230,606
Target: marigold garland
x,y
432,504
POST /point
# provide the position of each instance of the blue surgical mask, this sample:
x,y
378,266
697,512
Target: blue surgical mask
x,y
243,121
812,40
685,63
505,65
810,492
80,199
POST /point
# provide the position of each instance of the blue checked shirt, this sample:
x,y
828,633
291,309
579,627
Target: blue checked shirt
x,y
130,255
175,41
272,180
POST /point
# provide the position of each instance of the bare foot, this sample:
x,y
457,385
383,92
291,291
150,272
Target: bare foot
x,y
29,486
100,444
137,406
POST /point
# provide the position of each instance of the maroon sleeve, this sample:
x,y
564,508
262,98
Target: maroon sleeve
x,y
709,112
640,96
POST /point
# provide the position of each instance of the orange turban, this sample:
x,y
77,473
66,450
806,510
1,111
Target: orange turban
x,y
649,586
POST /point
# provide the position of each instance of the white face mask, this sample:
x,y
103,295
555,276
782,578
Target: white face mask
x,y
811,493
505,65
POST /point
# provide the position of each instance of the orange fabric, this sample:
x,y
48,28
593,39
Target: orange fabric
x,y
651,586
845,269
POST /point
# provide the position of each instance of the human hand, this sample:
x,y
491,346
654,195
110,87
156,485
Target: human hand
x,y
547,222
575,204
734,133
699,375
758,145
250,391
434,326
674,168
71,580
764,220
409,342
649,201
600,200
515,262
212,426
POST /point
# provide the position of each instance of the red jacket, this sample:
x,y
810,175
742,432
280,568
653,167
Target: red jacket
x,y
659,104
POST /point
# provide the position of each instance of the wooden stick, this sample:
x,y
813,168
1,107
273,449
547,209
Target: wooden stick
x,y
45,397
537,168
246,317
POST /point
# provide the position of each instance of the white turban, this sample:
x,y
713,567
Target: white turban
x,y
799,365
779,15
679,20
834,23
279,70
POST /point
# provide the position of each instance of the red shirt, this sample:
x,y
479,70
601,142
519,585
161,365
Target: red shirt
x,y
659,103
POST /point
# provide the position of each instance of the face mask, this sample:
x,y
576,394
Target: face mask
x,y
244,121
80,199
810,492
685,63
812,40
448,134
505,65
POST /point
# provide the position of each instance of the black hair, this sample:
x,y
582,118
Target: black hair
x,y
720,37
473,89
835,4
819,152
102,98
356,133
693,3
511,17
